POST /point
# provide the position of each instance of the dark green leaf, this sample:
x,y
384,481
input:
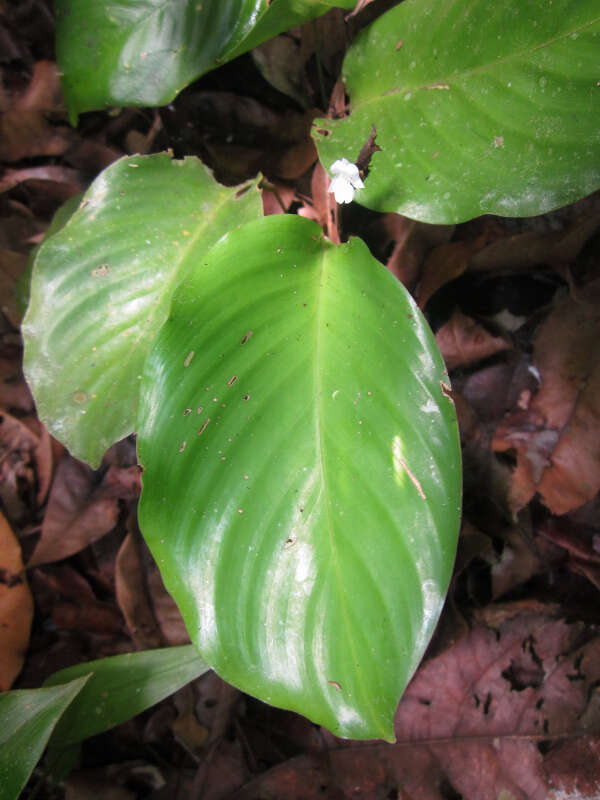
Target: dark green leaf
x,y
479,108
143,52
27,720
302,472
102,285
122,686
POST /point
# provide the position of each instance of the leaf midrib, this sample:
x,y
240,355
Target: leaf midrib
x,y
457,78
318,389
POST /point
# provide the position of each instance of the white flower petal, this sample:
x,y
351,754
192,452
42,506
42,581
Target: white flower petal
x,y
342,189
345,181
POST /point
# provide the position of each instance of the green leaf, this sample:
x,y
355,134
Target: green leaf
x,y
479,108
301,490
122,686
102,285
27,720
144,52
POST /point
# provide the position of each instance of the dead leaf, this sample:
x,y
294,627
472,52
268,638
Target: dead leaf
x,y
412,240
444,264
277,198
16,607
468,724
70,181
462,342
18,445
535,248
282,62
557,440
80,510
12,265
151,613
324,209
132,596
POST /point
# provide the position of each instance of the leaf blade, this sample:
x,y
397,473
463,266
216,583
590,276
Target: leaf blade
x,y
120,687
275,513
477,109
145,52
101,289
28,718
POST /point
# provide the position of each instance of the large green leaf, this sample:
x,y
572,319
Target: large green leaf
x,y
102,285
302,472
119,687
479,108
27,718
143,52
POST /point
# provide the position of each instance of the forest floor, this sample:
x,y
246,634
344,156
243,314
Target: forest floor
x,y
506,703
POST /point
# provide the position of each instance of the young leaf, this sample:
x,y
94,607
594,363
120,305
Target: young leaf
x,y
102,285
28,718
144,52
478,107
301,491
119,687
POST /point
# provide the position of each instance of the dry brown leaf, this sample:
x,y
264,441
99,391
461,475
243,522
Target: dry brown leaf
x,y
166,611
462,341
412,241
277,198
282,62
79,512
16,607
557,439
70,181
534,248
324,209
446,263
151,613
12,265
132,596
18,445
469,725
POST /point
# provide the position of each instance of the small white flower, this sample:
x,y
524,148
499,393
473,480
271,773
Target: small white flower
x,y
346,180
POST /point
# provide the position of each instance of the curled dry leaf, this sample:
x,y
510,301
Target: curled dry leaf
x,y
557,439
16,607
412,240
152,617
324,209
462,341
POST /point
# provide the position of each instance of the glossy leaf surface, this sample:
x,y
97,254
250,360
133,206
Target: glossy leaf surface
x,y
102,285
479,108
143,52
301,489
119,687
27,720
